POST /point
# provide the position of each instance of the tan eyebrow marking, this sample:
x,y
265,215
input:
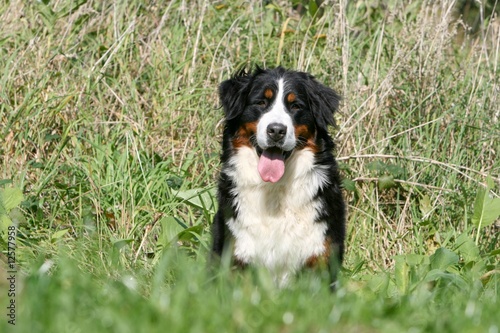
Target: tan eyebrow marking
x,y
291,98
268,93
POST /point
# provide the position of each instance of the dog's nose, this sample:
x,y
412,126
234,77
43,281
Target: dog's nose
x,y
276,131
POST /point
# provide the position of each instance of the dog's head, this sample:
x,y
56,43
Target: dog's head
x,y
276,111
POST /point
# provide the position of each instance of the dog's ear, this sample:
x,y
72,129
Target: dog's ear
x,y
324,102
233,94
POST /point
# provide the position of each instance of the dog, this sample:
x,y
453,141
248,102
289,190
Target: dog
x,y
279,190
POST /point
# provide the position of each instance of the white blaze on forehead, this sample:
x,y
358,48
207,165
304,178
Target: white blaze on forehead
x,y
277,114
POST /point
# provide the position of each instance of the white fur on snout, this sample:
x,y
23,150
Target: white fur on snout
x,y
278,115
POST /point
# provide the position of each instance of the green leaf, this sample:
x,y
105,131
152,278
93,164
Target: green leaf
x,y
395,170
171,229
10,198
5,181
401,274
443,258
467,248
414,260
378,283
495,252
377,166
437,275
174,182
425,205
120,243
5,222
199,198
349,185
58,234
486,208
479,206
487,212
386,182
191,233
313,7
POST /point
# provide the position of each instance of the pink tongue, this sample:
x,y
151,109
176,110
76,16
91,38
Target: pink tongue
x,y
271,165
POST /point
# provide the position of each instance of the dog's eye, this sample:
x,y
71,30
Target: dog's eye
x,y
262,103
294,107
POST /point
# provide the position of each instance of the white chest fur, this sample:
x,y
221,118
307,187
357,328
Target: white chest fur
x,y
276,227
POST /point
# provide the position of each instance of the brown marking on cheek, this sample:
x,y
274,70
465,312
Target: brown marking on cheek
x,y
268,93
322,259
242,137
304,132
291,97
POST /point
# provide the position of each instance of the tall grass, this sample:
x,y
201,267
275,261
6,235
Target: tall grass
x,y
110,126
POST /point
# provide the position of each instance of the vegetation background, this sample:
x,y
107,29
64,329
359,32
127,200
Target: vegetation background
x,y
110,129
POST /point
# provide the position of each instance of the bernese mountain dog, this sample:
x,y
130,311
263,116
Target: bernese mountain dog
x,y
279,190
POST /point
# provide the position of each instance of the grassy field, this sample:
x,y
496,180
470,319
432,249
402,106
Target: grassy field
x,y
109,142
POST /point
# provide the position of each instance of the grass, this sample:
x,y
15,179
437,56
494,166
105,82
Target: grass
x,y
110,132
